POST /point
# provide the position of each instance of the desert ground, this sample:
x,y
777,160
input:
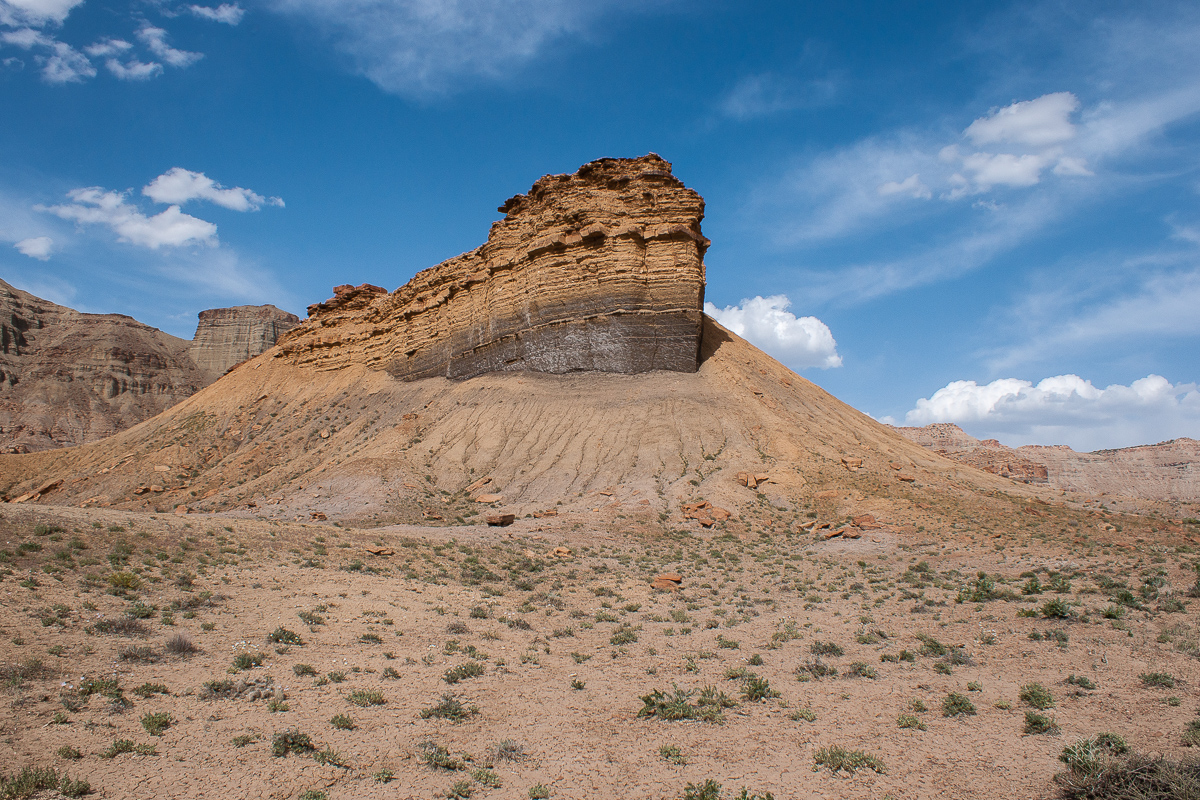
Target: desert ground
x,y
163,655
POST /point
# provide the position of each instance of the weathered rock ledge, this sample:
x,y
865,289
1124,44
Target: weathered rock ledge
x,y
226,337
600,270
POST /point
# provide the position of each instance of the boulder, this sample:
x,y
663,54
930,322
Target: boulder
x,y
489,498
500,520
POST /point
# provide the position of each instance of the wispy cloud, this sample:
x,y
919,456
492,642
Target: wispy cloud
x,y
421,48
227,13
178,185
35,12
768,93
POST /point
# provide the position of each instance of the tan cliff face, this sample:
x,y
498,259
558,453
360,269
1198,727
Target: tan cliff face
x,y
70,378
1165,471
599,270
228,336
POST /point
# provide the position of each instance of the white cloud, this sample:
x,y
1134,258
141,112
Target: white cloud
x,y
911,186
1004,169
133,70
155,40
767,93
107,47
1066,409
179,185
1038,123
169,228
765,322
421,47
38,247
230,14
61,63
35,12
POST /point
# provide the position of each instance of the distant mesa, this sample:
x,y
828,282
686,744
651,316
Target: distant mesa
x,y
1164,471
226,337
601,270
67,378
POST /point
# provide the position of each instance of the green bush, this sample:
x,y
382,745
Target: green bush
x,y
839,759
1036,695
291,741
957,705
282,635
1039,723
468,669
156,722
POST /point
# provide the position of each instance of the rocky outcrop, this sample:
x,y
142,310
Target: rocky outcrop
x,y
988,455
67,378
599,270
226,337
71,378
1164,471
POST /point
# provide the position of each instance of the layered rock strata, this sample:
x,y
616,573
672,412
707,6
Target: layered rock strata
x,y
226,337
599,270
1165,471
67,378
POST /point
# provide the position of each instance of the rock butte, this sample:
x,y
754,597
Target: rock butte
x,y
600,270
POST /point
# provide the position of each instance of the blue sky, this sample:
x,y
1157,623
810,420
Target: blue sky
x,y
982,213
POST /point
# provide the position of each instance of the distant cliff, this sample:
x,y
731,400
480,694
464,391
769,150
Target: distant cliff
x,y
228,336
67,378
1163,471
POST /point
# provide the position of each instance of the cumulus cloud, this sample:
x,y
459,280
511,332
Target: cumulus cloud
x,y
169,228
230,14
417,47
35,12
1041,122
107,47
179,185
1066,409
155,40
38,247
766,322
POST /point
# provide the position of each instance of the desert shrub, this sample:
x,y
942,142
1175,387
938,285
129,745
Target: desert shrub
x,y
709,790
806,714
538,792
1157,680
331,757
1056,609
1191,735
677,705
247,660
120,626
342,722
451,708
910,721
957,705
313,794
755,688
623,635
1135,777
827,649
815,668
141,653
28,668
291,741
859,669
106,687
1036,695
124,581
1082,681
468,669
282,635
1039,723
438,757
156,722
931,646
1087,756
181,645
839,759
366,697
120,746
311,618
672,755
506,750
28,782
304,670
